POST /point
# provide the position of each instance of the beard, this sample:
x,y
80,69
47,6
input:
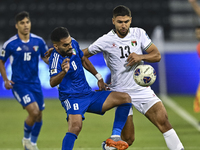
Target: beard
x,y
66,53
123,34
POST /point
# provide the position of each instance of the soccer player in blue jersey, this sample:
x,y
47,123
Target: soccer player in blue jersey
x,y
66,71
24,49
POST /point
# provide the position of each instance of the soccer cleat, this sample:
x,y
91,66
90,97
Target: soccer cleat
x,y
26,144
105,147
34,147
116,142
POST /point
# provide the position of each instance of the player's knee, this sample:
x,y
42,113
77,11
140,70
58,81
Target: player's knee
x,y
75,128
35,114
127,98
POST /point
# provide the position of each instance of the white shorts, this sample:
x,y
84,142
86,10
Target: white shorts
x,y
142,100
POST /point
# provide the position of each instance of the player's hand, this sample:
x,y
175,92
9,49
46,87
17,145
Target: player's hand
x,y
48,53
133,58
8,84
65,65
102,86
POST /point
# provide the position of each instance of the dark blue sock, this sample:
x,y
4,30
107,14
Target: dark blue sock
x,y
68,141
121,115
35,131
27,130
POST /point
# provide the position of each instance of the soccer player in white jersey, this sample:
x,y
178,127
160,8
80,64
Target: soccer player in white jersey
x,y
24,49
122,49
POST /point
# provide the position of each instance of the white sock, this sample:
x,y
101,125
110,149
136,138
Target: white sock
x,y
172,140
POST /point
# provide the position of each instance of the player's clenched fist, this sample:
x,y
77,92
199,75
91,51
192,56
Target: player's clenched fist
x,y
65,65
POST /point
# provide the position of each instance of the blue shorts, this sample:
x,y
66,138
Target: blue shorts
x,y
92,102
29,93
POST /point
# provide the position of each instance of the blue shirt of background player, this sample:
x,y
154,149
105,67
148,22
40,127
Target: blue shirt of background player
x,y
74,83
24,57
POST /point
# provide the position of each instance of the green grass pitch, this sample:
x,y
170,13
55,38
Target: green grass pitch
x,y
95,129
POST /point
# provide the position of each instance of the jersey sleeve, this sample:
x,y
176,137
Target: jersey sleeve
x,y
97,46
55,64
146,41
5,52
43,47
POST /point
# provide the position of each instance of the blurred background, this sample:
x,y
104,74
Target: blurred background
x,y
169,23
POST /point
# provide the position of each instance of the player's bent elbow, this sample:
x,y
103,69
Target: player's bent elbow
x,y
52,84
158,57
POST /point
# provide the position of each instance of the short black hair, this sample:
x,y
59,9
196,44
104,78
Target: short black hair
x,y
59,33
121,10
20,16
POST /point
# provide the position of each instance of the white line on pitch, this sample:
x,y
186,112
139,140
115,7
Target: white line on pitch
x,y
180,111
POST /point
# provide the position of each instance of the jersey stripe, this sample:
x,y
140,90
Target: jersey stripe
x,y
67,104
17,96
55,61
10,40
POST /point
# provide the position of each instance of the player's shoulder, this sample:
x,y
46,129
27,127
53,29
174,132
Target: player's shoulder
x,y
37,37
106,37
10,41
137,31
74,41
54,57
54,54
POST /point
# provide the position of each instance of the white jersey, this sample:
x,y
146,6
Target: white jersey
x,y
116,51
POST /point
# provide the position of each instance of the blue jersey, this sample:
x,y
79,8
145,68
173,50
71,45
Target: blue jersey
x,y
74,83
24,57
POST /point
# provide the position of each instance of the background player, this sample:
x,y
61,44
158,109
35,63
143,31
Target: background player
x,y
123,50
66,71
25,49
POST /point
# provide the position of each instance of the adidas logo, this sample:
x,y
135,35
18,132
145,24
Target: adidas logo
x,y
19,49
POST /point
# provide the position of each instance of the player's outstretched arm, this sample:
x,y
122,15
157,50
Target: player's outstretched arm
x,y
7,83
195,6
89,67
86,53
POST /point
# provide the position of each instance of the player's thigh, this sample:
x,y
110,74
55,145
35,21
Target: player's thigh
x,y
23,95
74,123
97,102
116,99
37,94
157,114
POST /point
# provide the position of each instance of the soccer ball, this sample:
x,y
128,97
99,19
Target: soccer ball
x,y
144,75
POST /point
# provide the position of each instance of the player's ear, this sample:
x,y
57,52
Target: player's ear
x,y
55,46
16,26
113,20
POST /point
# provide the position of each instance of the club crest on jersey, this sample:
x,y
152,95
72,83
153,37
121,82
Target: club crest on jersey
x,y
3,52
134,43
35,48
73,51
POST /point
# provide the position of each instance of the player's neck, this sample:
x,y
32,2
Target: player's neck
x,y
23,37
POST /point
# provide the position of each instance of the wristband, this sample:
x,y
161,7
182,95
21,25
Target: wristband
x,y
98,76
